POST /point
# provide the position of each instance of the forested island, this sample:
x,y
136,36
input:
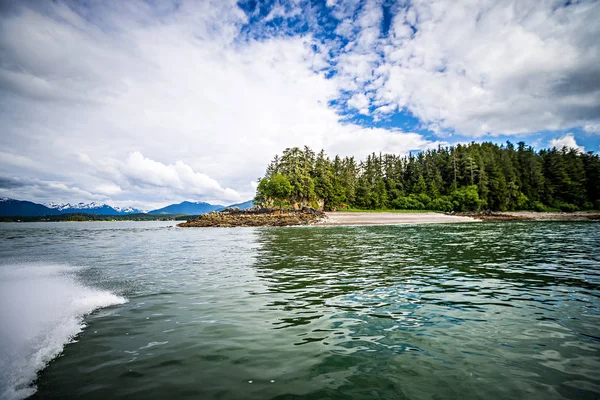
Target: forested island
x,y
471,177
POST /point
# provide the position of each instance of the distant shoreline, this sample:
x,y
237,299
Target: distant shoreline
x,y
81,217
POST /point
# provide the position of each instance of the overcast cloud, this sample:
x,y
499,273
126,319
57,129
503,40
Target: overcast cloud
x,y
133,104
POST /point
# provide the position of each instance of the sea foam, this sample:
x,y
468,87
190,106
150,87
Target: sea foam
x,y
41,310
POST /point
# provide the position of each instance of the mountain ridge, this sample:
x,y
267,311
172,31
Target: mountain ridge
x,y
93,207
14,208
187,207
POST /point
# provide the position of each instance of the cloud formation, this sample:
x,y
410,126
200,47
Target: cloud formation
x,y
154,103
478,67
144,172
567,141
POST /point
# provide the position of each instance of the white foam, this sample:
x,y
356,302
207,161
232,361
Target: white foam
x,y
41,309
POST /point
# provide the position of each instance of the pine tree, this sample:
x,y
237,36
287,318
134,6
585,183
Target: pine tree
x,y
464,177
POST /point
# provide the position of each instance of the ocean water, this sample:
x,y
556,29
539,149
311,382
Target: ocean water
x,y
148,310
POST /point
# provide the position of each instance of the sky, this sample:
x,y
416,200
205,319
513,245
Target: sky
x,y
148,103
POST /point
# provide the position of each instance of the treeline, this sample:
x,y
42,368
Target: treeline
x,y
81,217
472,177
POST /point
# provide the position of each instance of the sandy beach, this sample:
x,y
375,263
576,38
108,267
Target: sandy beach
x,y
389,218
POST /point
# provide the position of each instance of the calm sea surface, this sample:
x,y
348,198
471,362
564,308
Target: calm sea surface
x,y
146,310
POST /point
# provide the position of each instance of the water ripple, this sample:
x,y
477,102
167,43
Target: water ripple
x,y
438,311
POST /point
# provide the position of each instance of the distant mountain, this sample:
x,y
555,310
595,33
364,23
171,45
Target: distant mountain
x,y
188,207
86,208
92,208
243,206
129,210
22,208
13,208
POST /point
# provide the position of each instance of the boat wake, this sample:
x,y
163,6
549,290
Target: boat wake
x,y
41,310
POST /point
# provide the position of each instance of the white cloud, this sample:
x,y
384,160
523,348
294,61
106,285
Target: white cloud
x,y
343,8
44,191
360,102
592,128
379,140
17,160
108,189
281,11
499,67
180,177
566,141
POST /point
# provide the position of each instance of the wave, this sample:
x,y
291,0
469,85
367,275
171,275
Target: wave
x,y
42,308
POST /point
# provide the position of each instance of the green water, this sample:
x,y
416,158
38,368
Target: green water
x,y
473,311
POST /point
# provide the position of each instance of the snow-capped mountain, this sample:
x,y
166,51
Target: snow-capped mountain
x,y
78,206
91,208
53,205
12,207
129,210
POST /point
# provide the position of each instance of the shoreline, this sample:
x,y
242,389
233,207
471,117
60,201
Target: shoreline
x,y
500,216
390,218
369,218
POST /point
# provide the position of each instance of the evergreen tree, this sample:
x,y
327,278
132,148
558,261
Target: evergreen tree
x,y
460,178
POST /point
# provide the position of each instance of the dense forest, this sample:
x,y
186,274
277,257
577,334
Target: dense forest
x,y
472,177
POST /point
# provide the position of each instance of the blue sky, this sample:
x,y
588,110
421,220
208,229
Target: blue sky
x,y
324,19
146,103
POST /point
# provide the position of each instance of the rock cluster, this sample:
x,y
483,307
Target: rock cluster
x,y
229,218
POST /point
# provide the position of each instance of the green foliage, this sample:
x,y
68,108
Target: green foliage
x,y
441,204
538,206
469,177
588,205
276,187
567,207
410,202
279,187
466,199
522,202
413,201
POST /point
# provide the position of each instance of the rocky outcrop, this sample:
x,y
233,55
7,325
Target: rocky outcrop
x,y
230,218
